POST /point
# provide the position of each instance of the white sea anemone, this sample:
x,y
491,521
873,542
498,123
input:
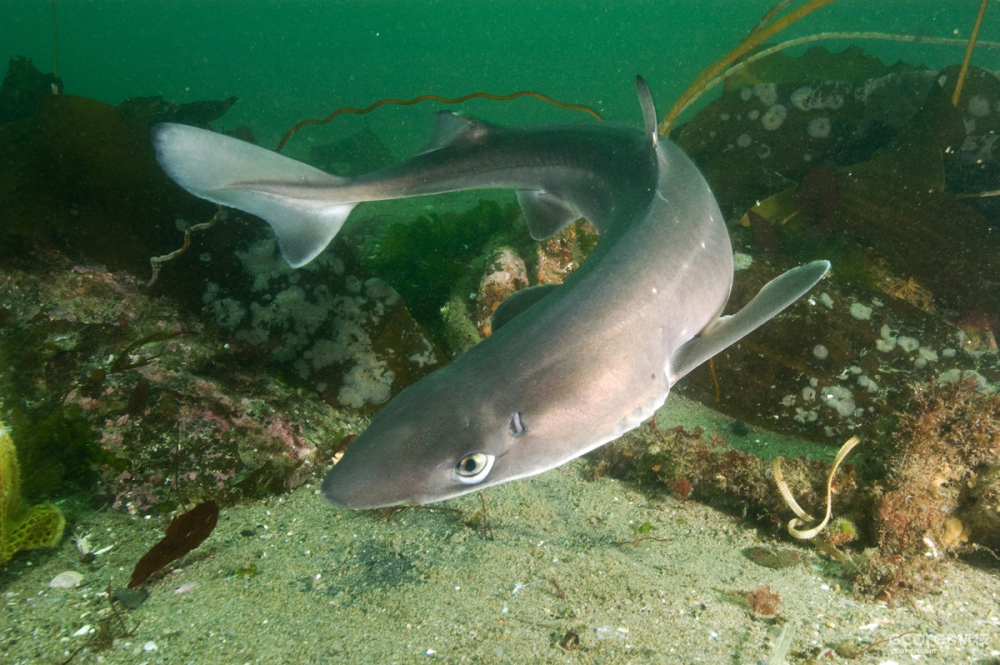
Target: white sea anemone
x,y
807,98
774,117
979,106
819,128
768,93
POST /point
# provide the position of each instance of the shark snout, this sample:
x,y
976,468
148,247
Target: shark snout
x,y
354,489
375,476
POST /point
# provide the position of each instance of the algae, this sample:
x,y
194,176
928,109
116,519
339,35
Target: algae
x,y
851,65
38,526
431,258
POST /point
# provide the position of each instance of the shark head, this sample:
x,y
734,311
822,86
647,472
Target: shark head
x,y
460,430
432,442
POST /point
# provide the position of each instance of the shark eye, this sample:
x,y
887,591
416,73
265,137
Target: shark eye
x,y
516,427
473,468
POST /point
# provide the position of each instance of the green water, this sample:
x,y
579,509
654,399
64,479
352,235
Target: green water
x,y
287,579
291,60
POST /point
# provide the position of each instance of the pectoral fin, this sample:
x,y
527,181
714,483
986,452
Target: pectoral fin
x,y
776,295
517,303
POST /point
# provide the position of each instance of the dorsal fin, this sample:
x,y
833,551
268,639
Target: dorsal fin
x,y
648,109
450,127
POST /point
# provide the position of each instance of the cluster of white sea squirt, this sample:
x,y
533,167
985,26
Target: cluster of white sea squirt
x,y
837,403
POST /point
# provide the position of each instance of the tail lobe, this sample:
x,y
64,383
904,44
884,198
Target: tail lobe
x,y
294,198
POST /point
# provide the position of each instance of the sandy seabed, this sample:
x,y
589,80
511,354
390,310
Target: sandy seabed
x,y
292,580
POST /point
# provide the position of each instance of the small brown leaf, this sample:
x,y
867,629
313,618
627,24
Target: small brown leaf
x,y
185,533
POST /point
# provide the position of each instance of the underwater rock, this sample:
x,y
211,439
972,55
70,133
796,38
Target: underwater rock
x,y
555,257
945,461
850,65
896,204
774,377
437,260
505,274
349,336
24,89
904,503
979,516
563,253
975,165
458,325
68,579
707,468
152,110
939,493
753,140
215,424
81,176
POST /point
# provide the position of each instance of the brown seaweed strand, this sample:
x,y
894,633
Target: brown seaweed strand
x,y
157,261
968,53
445,100
771,13
798,41
185,532
741,49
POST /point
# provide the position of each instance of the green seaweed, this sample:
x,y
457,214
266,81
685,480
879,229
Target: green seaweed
x,y
246,571
428,259
40,365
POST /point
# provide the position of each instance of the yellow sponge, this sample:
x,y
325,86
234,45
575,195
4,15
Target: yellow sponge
x,y
39,526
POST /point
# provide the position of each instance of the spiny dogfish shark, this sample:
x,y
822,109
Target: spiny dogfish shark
x,y
569,367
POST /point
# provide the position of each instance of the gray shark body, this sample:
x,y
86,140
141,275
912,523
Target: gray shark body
x,y
567,368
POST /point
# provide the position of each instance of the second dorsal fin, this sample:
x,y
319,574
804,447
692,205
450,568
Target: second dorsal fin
x,y
648,109
449,128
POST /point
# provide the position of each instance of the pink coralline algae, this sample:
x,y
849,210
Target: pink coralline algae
x,y
201,438
561,254
172,411
505,273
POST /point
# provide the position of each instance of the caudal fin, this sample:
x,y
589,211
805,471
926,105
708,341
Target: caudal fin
x,y
294,198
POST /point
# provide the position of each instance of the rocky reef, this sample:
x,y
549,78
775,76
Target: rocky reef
x,y
906,502
879,172
122,393
234,376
